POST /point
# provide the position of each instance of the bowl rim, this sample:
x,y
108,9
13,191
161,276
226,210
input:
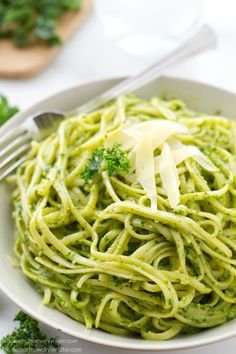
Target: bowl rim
x,y
141,344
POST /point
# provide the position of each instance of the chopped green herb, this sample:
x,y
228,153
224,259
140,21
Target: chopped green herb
x,y
28,338
117,280
186,251
27,22
113,160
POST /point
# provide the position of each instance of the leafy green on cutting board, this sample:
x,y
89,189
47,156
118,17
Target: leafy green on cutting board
x,y
28,338
6,110
28,22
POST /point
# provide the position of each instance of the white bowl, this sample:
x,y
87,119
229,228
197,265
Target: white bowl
x,y
199,97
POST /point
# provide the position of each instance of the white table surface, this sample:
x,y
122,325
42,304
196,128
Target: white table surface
x,y
92,55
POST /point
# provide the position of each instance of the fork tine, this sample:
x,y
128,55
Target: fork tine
x,y
11,168
14,155
14,144
12,134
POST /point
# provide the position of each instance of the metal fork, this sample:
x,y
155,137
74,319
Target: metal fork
x,y
15,144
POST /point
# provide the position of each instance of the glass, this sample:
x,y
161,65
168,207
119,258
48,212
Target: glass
x,y
147,27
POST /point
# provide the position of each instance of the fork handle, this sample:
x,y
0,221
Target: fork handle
x,y
204,39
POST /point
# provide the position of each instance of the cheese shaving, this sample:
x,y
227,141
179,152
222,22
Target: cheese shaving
x,y
142,140
181,152
169,175
145,168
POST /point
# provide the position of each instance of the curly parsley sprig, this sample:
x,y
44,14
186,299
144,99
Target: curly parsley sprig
x,y
27,338
112,160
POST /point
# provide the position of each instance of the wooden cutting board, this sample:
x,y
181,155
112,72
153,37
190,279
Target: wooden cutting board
x,y
25,62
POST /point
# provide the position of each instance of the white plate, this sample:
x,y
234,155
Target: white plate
x,y
199,97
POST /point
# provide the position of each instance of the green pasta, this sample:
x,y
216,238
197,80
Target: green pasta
x,y
99,252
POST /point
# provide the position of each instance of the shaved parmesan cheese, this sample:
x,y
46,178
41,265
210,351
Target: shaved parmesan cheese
x,y
120,137
169,175
157,130
174,144
145,169
181,152
205,162
131,157
141,140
